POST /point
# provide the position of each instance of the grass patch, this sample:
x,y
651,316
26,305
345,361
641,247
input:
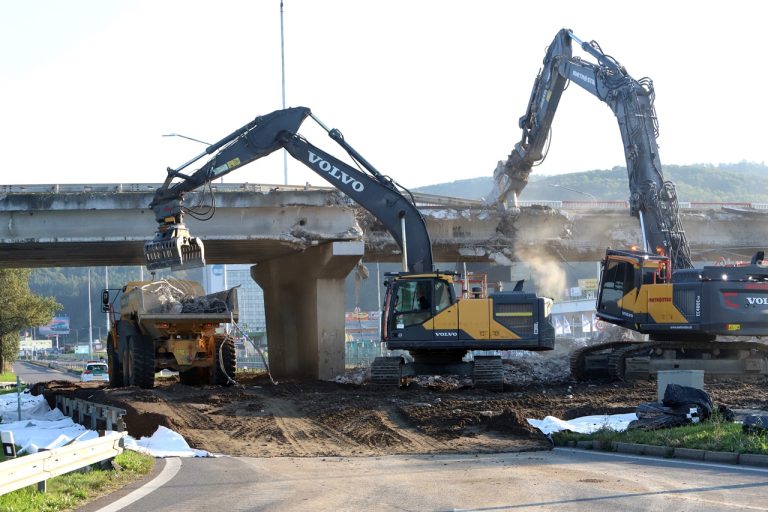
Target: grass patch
x,y
8,377
716,434
67,492
6,391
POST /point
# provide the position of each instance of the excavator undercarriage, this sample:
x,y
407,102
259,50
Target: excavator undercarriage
x,y
638,360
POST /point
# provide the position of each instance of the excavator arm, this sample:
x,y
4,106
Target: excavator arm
x,y
652,199
173,246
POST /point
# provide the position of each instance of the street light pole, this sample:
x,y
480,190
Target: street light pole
x,y
573,190
90,320
185,137
192,139
282,63
106,287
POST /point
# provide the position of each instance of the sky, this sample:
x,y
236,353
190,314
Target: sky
x,y
427,91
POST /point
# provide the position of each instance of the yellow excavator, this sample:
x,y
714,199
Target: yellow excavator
x,y
423,311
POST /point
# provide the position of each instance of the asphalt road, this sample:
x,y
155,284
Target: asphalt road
x,y
562,479
32,374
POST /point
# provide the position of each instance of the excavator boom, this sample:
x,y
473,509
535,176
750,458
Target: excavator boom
x,y
173,246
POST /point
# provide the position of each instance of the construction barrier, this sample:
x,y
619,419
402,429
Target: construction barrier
x,y
100,417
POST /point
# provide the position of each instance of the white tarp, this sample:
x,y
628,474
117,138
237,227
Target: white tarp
x,y
585,424
43,427
164,443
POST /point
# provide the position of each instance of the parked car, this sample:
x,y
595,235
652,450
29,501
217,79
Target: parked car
x,y
95,371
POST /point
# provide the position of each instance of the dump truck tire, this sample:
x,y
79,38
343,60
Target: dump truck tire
x,y
225,356
143,361
115,366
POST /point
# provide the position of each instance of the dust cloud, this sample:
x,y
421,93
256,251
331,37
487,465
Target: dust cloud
x,y
547,273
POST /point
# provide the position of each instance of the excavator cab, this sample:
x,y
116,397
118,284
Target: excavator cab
x,y
411,304
634,285
174,248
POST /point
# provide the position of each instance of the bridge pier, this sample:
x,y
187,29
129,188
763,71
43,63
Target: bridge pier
x,y
304,306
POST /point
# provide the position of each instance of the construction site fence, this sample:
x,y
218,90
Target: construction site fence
x,y
357,353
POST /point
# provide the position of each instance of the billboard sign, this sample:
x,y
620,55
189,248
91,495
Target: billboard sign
x,y
362,324
56,327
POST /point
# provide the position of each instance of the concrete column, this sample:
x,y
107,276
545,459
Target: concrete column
x,y
304,306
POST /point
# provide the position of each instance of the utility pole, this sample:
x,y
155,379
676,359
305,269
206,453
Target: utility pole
x,y
282,62
90,319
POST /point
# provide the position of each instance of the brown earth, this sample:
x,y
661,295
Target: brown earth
x,y
319,418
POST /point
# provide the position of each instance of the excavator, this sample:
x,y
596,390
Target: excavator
x,y
652,289
422,314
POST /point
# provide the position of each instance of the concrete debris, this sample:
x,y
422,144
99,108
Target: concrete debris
x,y
537,369
442,382
356,376
175,297
526,370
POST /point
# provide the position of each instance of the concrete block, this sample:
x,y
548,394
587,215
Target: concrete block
x,y
588,445
688,453
656,451
633,448
689,378
753,459
721,457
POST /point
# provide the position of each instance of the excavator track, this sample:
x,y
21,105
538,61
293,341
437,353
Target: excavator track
x,y
387,371
586,361
629,361
488,373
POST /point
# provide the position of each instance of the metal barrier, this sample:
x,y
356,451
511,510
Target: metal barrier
x,y
106,416
552,204
38,467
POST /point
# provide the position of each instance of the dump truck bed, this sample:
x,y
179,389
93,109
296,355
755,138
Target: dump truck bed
x,y
181,303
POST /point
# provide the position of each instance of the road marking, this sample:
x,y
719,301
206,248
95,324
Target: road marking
x,y
668,460
172,467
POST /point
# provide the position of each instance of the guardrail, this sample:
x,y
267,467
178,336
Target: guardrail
x,y
422,200
78,188
106,416
38,467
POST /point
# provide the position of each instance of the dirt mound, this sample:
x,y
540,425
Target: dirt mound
x,y
319,418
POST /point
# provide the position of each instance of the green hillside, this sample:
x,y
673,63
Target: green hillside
x,y
742,182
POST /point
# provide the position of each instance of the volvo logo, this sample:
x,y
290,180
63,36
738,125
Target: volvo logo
x,y
763,301
334,171
449,333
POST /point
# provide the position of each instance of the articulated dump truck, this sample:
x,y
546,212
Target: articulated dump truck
x,y
170,325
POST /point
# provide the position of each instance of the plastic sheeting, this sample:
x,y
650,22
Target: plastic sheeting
x,y
681,405
584,424
41,427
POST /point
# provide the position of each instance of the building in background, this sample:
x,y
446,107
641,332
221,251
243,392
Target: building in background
x,y
250,296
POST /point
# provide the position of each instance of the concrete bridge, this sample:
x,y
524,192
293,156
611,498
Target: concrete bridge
x,y
90,225
305,240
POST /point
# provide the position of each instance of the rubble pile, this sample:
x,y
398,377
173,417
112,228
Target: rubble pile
x,y
535,368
